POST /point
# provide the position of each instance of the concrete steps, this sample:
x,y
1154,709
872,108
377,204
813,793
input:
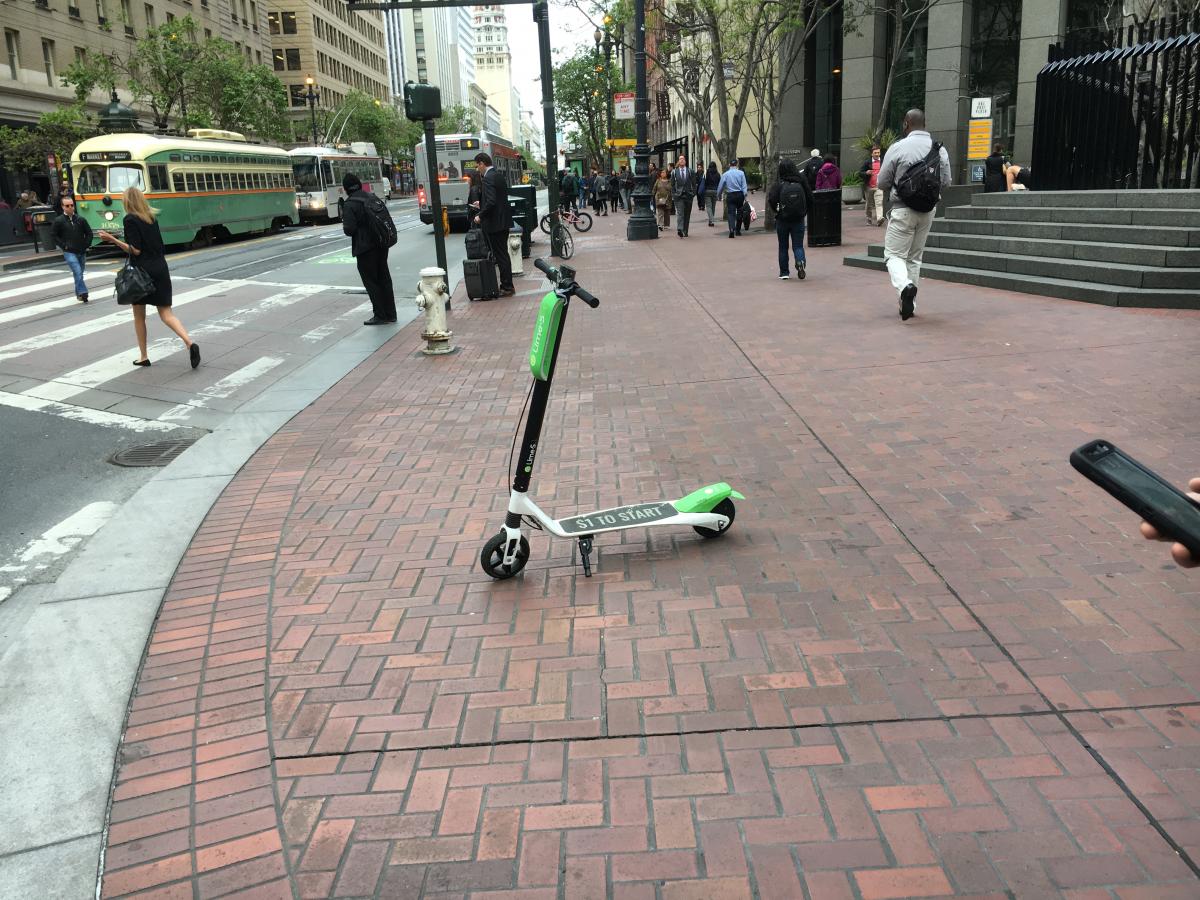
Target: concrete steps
x,y
1119,248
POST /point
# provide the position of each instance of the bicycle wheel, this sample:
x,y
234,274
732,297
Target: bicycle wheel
x,y
566,242
545,224
583,222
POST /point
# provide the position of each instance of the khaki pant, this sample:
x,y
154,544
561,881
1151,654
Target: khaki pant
x,y
874,205
904,244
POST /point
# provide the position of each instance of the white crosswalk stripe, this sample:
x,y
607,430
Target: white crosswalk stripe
x,y
91,326
10,277
219,390
95,275
84,414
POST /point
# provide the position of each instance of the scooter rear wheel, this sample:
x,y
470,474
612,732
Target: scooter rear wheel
x,y
724,508
492,557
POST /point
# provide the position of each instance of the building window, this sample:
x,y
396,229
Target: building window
x,y
48,61
207,33
293,59
277,61
80,55
258,57
12,43
101,12
170,17
297,92
288,20
273,22
253,15
127,17
149,16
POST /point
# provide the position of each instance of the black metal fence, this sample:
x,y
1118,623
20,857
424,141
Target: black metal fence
x,y
1121,109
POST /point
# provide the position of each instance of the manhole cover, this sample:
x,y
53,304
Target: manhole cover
x,y
157,454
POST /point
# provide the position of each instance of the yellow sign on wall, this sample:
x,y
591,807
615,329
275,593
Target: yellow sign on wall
x,y
979,138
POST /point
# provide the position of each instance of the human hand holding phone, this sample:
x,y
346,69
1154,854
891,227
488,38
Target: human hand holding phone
x,y
1168,513
1179,553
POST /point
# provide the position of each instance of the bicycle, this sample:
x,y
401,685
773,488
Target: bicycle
x,y
580,220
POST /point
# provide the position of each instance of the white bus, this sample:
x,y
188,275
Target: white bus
x,y
456,162
318,173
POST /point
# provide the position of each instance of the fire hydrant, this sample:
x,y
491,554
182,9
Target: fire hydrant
x,y
432,297
514,254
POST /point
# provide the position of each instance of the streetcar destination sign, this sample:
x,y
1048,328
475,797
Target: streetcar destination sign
x,y
106,156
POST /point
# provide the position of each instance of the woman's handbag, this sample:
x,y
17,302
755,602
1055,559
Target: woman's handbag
x,y
133,285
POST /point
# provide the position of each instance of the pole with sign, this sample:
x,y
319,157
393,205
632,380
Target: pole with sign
x,y
623,104
979,129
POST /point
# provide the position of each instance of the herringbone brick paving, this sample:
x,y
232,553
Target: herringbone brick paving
x,y
927,660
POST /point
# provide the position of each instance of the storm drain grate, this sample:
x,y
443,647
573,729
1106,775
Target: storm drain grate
x,y
160,453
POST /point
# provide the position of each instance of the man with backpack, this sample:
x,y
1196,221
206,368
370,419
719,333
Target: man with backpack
x,y
495,218
567,191
789,198
915,170
366,219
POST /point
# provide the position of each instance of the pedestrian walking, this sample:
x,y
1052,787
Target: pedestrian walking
x,y
788,196
615,194
627,185
871,191
829,176
144,244
683,192
914,170
708,190
811,167
994,167
584,189
370,253
600,186
662,200
732,187
73,235
495,218
568,192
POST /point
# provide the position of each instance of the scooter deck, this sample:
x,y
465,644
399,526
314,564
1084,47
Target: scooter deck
x,y
619,517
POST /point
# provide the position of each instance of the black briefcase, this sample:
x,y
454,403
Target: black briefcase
x,y
477,245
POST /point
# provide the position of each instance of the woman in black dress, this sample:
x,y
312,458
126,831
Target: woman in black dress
x,y
993,171
143,241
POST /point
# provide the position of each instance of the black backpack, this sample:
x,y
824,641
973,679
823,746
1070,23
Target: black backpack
x,y
920,187
379,220
793,206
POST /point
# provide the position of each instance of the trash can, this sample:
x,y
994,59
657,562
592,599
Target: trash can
x,y
825,219
528,217
41,219
517,206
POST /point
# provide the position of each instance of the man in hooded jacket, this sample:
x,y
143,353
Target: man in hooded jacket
x,y
789,197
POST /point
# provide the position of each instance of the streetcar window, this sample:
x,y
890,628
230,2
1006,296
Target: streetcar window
x,y
90,180
304,173
326,173
241,181
177,178
121,177
191,181
158,178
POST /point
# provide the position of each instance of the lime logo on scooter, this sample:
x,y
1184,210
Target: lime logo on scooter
x,y
545,334
530,457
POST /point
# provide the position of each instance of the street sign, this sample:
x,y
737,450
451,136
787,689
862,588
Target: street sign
x,y
623,105
617,143
981,107
979,138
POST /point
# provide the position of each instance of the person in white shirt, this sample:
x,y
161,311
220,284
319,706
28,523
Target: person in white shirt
x,y
908,229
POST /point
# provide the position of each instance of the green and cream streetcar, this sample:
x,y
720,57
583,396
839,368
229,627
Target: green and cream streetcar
x,y
207,185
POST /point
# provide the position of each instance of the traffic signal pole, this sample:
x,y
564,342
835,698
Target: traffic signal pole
x,y
541,15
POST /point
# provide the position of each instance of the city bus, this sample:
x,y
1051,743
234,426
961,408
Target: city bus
x,y
456,161
207,185
318,173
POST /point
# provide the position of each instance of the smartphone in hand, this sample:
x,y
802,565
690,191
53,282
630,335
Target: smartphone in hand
x,y
1172,512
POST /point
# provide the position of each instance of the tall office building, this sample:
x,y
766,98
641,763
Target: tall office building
x,y
493,68
394,24
340,50
464,47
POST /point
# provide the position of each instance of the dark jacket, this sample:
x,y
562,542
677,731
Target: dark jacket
x,y
614,185
788,172
494,212
683,188
568,186
355,224
73,235
993,174
810,168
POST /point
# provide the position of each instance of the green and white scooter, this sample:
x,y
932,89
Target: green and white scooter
x,y
709,510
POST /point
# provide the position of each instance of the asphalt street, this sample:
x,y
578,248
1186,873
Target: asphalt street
x,y
259,307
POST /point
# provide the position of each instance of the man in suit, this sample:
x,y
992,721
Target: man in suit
x,y
495,218
683,192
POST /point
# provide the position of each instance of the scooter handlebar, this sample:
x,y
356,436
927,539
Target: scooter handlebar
x,y
587,298
557,275
542,266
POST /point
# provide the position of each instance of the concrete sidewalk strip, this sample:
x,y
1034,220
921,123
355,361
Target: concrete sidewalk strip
x,y
926,660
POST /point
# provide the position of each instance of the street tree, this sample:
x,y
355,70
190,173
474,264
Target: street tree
x,y
582,83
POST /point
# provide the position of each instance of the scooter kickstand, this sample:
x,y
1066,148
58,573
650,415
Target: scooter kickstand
x,y
585,553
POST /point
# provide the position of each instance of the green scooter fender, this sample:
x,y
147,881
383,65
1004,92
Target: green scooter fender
x,y
706,498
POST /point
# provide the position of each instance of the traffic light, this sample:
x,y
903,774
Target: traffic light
x,y
421,102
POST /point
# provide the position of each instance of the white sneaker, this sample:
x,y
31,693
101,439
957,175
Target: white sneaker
x,y
784,277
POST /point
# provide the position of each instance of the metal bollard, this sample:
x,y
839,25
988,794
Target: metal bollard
x,y
433,297
514,254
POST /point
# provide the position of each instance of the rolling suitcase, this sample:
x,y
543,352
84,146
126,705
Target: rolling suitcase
x,y
476,244
481,279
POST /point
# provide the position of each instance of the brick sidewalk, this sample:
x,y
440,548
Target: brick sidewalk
x,y
927,660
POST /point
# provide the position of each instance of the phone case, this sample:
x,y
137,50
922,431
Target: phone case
x,y
1082,462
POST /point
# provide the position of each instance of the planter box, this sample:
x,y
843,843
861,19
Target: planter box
x,y
852,193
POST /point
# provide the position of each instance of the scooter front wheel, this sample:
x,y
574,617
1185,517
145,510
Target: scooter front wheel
x,y
724,508
492,557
